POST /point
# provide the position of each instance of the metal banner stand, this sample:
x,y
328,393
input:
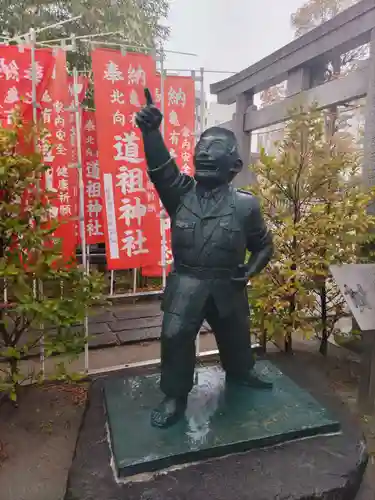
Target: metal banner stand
x,y
85,248
198,132
37,286
82,225
31,36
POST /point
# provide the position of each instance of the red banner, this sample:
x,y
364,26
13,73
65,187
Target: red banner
x,y
179,127
81,88
61,177
179,112
16,81
121,80
91,181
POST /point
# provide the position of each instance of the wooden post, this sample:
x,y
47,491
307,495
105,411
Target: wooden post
x,y
366,390
243,102
357,284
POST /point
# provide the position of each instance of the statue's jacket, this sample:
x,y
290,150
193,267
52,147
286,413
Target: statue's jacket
x,y
209,241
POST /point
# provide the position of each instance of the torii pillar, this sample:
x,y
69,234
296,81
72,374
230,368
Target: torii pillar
x,y
243,103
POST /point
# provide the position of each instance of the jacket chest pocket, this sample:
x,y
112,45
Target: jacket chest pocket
x,y
229,237
183,234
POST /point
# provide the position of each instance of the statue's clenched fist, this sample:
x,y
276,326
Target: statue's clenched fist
x,y
150,117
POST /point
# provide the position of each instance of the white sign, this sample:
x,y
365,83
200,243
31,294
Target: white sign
x,y
357,284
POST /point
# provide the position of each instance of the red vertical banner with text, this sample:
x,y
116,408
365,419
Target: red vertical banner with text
x,y
60,177
179,136
91,181
119,82
179,115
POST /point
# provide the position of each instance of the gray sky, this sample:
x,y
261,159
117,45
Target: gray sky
x,y
227,35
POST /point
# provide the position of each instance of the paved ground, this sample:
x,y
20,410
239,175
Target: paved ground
x,y
37,440
320,468
124,324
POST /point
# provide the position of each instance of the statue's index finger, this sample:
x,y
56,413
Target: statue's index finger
x,y
149,100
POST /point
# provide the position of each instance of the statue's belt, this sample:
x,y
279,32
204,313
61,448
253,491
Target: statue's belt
x,y
205,272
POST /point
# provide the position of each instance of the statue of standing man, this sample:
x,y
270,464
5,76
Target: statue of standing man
x,y
212,227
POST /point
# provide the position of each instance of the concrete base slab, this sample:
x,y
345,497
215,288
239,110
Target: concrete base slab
x,y
324,467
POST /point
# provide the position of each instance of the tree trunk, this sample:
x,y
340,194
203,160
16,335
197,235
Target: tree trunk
x,y
323,349
288,345
288,342
263,336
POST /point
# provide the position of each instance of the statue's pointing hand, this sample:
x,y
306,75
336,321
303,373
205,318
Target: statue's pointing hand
x,y
150,117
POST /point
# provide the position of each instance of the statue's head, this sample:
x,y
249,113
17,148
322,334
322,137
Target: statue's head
x,y
216,157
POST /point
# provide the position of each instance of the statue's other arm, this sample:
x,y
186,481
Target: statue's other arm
x,y
169,182
259,240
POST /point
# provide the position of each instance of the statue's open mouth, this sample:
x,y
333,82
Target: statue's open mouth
x,y
206,166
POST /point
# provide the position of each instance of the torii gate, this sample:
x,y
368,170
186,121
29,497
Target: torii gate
x,y
302,64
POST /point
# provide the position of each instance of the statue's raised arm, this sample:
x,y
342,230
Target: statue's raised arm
x,y
169,182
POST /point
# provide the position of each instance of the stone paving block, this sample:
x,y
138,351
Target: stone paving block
x,y
120,324
136,324
30,336
99,329
102,317
107,339
94,328
138,311
130,336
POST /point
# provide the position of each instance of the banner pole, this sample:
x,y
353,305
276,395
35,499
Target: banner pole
x,y
135,274
88,259
202,102
194,77
45,28
163,214
199,132
33,76
79,167
37,285
112,283
81,187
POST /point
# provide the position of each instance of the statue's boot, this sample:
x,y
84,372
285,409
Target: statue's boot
x,y
250,380
169,411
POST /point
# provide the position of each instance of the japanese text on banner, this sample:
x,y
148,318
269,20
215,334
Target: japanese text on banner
x,y
121,80
91,181
179,97
179,136
60,178
16,80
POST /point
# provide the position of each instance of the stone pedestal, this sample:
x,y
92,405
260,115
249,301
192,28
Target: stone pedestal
x,y
219,419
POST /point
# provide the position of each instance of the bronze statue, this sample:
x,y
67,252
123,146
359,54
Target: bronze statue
x,y
212,226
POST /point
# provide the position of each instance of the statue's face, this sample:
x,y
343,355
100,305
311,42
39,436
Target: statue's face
x,y
216,157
